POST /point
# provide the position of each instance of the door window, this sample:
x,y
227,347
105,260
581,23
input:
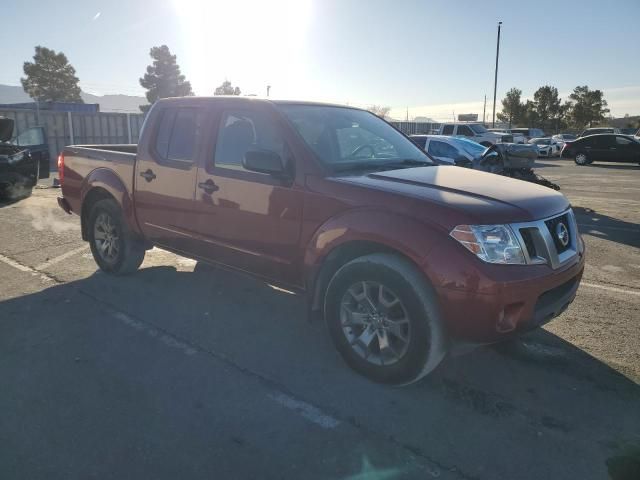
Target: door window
x,y
464,130
603,141
623,141
242,130
447,130
178,134
30,137
441,149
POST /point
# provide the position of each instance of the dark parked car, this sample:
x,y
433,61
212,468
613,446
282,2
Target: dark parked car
x,y
23,160
598,130
403,258
603,148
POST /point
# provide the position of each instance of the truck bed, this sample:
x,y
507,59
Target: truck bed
x,y
84,161
122,147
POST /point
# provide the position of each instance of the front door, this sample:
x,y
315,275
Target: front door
x,y
443,152
35,140
249,220
165,177
627,150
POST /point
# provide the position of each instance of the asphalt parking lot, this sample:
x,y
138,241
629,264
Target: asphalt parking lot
x,y
185,371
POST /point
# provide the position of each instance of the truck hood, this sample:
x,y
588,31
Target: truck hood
x,y
6,129
484,198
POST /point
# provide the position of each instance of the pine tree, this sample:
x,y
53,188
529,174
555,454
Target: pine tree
x,y
163,78
50,77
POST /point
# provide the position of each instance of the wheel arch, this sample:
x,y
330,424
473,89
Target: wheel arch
x,y
91,198
103,183
323,260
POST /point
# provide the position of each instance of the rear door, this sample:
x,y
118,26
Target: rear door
x,y
604,148
248,220
165,176
35,140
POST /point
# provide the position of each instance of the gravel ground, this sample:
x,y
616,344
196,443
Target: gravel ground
x,y
186,371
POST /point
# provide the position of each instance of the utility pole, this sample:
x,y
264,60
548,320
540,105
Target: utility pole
x,y
495,81
407,114
268,88
484,109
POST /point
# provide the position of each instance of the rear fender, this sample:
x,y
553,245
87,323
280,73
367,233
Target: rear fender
x,y
109,181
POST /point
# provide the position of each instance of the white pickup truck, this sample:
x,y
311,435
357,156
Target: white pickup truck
x,y
476,132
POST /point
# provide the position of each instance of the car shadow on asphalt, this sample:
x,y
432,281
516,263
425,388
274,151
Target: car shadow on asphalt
x,y
540,383
606,227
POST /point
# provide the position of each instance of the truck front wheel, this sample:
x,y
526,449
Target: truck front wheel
x,y
114,247
384,320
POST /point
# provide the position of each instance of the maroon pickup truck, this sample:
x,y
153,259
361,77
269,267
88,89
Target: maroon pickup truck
x,y
404,259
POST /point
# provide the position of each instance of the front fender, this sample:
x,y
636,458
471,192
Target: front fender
x,y
109,181
408,236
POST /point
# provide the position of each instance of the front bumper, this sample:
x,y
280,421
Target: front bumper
x,y
489,303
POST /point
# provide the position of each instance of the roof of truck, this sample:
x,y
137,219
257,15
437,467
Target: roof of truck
x,y
240,99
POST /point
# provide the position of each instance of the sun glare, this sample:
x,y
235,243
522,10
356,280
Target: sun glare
x,y
252,43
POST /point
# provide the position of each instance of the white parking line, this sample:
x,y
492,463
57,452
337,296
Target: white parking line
x,y
23,268
62,257
610,289
306,410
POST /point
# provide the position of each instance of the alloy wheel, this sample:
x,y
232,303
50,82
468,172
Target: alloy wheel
x,y
375,323
106,237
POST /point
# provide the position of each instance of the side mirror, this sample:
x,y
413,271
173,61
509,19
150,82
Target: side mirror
x,y
263,161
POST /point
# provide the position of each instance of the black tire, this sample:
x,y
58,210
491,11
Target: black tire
x,y
425,346
130,250
582,159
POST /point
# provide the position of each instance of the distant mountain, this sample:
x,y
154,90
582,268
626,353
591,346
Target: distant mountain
x,y
108,103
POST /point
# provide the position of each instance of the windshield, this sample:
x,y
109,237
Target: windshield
x,y
469,146
478,128
345,137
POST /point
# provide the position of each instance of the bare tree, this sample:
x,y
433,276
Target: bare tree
x,y
379,110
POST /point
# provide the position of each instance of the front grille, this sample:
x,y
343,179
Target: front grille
x,y
527,236
540,242
552,225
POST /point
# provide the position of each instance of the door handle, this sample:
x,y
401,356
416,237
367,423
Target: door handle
x,y
208,186
148,175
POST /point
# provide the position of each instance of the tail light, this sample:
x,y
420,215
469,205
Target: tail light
x,y
61,167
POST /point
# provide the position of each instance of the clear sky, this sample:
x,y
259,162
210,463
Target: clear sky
x,y
434,57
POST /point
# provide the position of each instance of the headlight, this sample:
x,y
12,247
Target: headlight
x,y
491,243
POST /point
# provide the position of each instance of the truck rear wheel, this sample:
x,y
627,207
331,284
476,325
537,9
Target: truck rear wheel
x,y
114,247
384,320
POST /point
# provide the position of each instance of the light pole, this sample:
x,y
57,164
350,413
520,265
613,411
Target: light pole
x,y
495,80
268,89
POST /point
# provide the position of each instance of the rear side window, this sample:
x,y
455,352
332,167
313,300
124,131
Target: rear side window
x,y
623,141
242,130
447,130
178,134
